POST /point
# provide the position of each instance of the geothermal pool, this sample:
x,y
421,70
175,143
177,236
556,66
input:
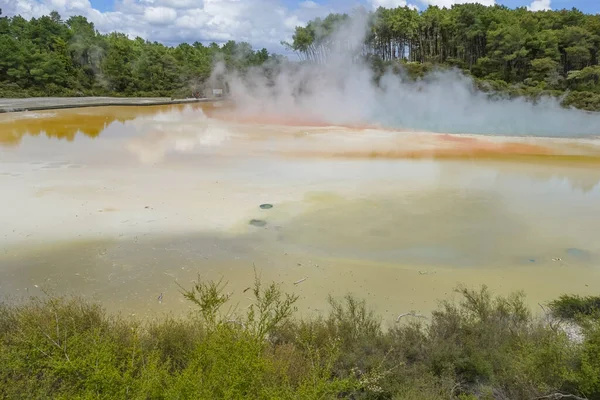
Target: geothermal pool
x,y
121,204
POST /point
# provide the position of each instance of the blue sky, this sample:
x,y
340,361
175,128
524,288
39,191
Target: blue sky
x,y
103,5
588,6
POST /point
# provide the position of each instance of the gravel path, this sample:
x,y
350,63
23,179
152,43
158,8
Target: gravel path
x,y
51,103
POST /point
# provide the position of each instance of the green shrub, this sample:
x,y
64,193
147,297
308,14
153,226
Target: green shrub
x,y
480,347
586,375
573,307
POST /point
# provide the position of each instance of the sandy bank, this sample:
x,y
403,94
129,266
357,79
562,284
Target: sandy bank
x,y
55,103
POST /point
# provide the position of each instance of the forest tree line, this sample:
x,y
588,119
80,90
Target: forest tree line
x,y
508,50
49,56
512,51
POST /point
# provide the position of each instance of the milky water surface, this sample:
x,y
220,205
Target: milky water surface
x,y
122,204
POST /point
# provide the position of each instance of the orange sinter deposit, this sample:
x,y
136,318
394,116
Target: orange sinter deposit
x,y
291,135
323,139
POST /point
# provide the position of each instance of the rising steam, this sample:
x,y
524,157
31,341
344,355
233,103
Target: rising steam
x,y
342,91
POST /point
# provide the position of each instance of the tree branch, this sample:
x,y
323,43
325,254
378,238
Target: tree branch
x,y
560,396
412,314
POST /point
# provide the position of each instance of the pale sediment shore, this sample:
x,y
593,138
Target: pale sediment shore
x,y
56,103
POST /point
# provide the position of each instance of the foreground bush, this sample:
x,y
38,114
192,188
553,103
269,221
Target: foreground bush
x,y
483,347
576,307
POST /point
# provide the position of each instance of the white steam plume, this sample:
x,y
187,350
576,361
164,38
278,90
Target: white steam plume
x,y
342,91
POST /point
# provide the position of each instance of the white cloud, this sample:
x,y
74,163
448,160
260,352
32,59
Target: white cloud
x,y
160,15
67,4
182,4
450,3
192,18
58,3
292,22
308,4
263,23
387,3
539,5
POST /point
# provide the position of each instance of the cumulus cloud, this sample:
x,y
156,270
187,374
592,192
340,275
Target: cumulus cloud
x,y
308,4
177,4
263,23
450,3
388,3
160,15
539,5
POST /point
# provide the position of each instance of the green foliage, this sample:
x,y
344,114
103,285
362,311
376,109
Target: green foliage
x,y
209,298
270,310
518,52
542,51
67,348
51,57
587,375
573,307
481,347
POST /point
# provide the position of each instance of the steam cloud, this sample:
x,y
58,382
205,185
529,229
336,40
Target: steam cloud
x,y
342,91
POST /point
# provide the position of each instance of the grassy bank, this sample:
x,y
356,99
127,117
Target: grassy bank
x,y
479,347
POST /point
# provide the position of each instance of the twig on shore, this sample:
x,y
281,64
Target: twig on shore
x,y
412,314
233,321
553,322
455,388
559,396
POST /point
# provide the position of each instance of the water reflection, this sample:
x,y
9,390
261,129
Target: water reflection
x,y
67,124
181,131
578,178
153,132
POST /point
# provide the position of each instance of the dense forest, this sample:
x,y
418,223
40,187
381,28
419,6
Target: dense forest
x,y
512,51
508,50
50,57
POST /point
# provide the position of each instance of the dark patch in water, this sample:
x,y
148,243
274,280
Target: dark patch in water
x,y
579,253
266,206
379,232
258,222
